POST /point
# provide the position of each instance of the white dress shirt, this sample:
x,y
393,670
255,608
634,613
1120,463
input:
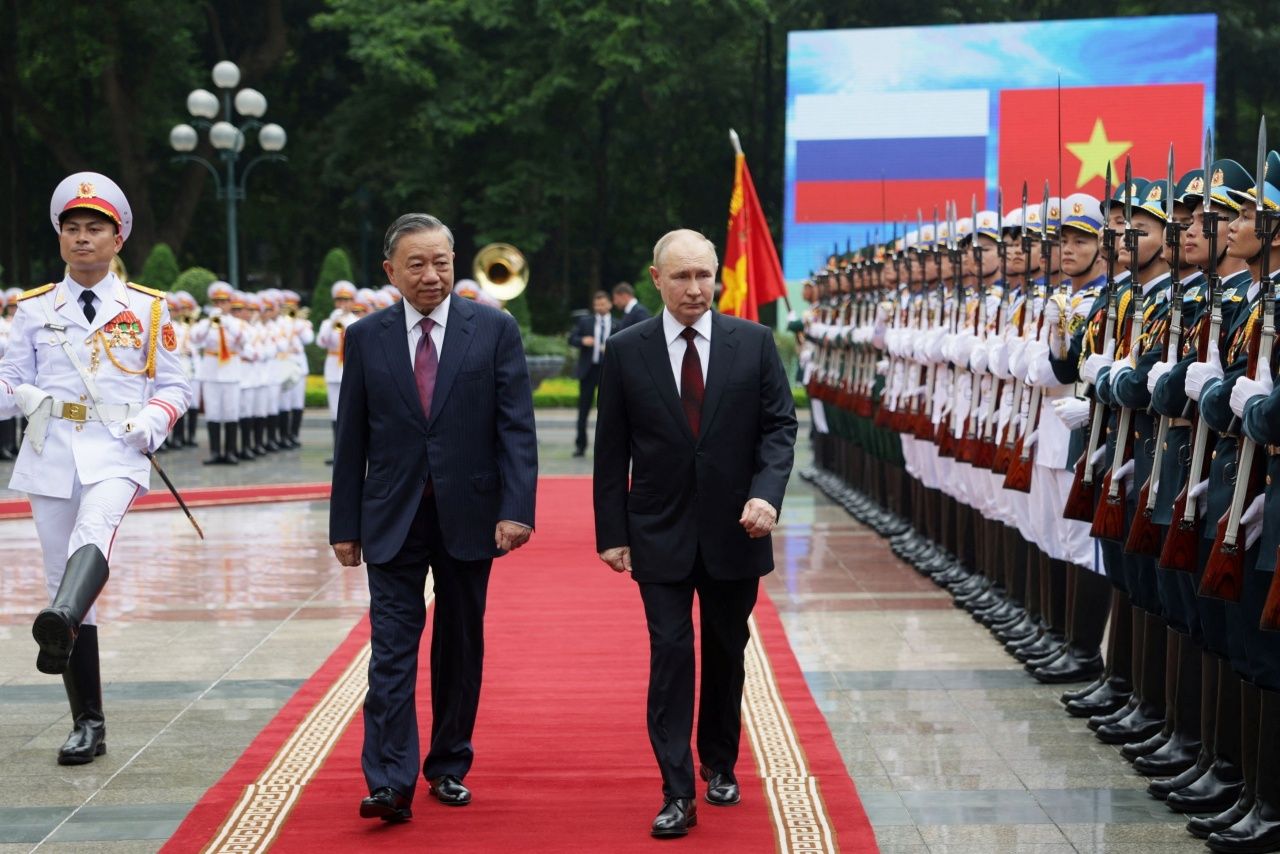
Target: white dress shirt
x,y
676,346
603,325
412,317
77,290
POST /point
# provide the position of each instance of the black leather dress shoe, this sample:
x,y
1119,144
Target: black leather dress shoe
x,y
1108,699
1216,790
1174,757
675,818
1163,787
722,787
387,804
1074,665
448,789
1140,724
87,740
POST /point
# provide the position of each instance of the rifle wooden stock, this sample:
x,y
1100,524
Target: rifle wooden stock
x,y
1181,550
1018,478
1271,610
1108,518
1144,535
1004,451
984,454
946,440
1079,506
1224,571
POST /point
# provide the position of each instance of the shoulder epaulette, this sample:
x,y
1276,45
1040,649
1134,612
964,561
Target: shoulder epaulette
x,y
1193,294
35,292
151,292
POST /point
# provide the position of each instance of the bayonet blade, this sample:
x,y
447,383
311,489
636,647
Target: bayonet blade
x,y
1168,196
1262,162
1044,212
1128,193
1106,200
1208,164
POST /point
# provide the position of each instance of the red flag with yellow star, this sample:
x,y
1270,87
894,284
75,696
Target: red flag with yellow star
x,y
752,275
1100,125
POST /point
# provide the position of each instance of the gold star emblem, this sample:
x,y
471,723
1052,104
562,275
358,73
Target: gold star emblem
x,y
85,191
1095,154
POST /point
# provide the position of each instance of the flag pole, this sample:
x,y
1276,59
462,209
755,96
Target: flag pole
x,y
737,150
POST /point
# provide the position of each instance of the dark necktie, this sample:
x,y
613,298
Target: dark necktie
x,y
86,300
425,365
691,386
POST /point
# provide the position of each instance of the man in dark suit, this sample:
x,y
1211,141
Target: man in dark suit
x,y
696,408
590,332
624,300
435,468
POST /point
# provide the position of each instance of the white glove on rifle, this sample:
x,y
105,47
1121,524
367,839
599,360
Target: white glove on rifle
x,y
1125,472
1072,411
1251,521
1158,370
1095,363
1246,389
1200,494
1118,367
998,358
1203,374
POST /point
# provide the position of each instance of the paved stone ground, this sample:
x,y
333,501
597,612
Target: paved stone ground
x,y
952,747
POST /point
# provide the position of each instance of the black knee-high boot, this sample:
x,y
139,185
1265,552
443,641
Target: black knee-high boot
x,y
1250,724
1182,746
57,627
83,682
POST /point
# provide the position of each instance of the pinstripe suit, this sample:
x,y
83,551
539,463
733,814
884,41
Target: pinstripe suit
x,y
421,492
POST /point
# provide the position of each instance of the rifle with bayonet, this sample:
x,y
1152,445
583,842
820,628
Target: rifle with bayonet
x,y
1145,537
1019,476
1224,572
1007,446
1182,541
1108,518
1080,499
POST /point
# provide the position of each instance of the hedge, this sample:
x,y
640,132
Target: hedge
x,y
556,392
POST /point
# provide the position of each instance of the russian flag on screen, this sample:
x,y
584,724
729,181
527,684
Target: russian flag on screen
x,y
927,147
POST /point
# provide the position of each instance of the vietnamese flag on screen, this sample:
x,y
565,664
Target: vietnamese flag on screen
x,y
1100,125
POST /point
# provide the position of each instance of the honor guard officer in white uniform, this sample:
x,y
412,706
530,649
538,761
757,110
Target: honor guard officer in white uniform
x,y
331,336
91,364
295,392
8,426
217,340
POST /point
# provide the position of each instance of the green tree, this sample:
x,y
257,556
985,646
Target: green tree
x,y
195,281
335,267
160,269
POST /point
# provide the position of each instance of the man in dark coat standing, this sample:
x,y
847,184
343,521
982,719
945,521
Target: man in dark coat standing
x,y
695,407
435,469
632,311
590,332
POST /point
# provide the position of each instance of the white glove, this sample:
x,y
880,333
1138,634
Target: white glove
x,y
1030,442
1094,364
933,345
948,347
1118,367
1200,494
1246,389
145,431
998,359
30,397
1124,473
964,346
1039,371
1073,412
1158,370
1052,314
1017,361
978,359
882,366
1252,521
1202,374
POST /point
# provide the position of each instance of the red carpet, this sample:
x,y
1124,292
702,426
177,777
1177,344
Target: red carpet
x,y
562,759
159,498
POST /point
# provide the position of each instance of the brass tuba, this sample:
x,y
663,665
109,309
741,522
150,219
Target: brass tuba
x,y
501,271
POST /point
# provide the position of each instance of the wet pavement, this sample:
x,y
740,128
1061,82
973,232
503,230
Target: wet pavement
x,y
953,748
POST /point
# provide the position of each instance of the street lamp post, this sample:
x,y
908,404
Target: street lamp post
x,y
229,140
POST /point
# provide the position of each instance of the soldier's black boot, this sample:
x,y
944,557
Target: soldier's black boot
x,y
83,681
191,421
1219,786
1147,717
1183,685
334,426
8,429
1259,830
1081,660
259,425
215,445
55,628
297,428
1207,716
271,425
1115,692
246,440
1250,709
229,455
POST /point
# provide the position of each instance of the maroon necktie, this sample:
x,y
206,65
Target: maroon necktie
x,y
425,364
691,381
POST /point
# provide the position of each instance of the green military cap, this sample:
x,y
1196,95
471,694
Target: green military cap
x,y
1270,183
1226,179
1153,199
1189,190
